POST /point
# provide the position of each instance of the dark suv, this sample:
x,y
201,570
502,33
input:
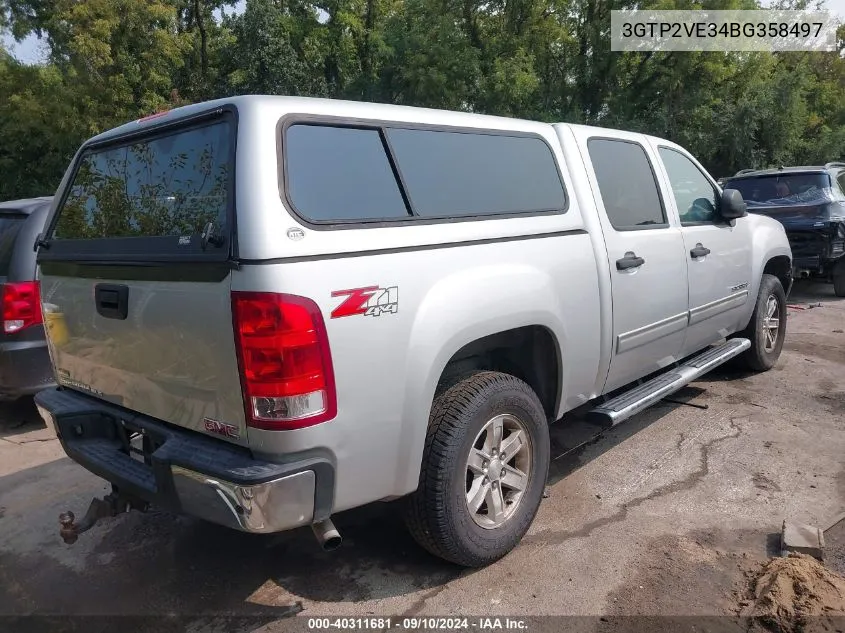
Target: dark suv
x,y
24,360
810,203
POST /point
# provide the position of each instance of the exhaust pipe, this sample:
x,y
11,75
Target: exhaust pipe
x,y
327,535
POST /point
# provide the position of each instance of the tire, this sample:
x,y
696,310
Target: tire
x,y
766,345
839,279
463,418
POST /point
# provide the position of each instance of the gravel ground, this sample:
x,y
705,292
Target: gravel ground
x,y
663,515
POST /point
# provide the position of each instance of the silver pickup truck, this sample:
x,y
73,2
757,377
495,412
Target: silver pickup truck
x,y
267,310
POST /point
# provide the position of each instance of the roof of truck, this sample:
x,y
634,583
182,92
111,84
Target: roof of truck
x,y
279,105
25,205
320,106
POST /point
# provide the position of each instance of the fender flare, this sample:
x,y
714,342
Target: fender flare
x,y
501,298
769,241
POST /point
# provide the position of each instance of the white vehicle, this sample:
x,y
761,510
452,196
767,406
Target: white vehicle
x,y
339,303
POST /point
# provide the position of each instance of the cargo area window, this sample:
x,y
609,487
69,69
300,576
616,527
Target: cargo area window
x,y
337,173
627,184
151,194
348,174
462,174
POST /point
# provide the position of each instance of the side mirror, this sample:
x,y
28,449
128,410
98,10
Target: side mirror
x,y
732,205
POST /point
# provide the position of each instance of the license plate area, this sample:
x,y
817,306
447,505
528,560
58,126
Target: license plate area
x,y
137,442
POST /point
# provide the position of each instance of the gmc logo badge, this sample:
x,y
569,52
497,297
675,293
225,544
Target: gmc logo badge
x,y
221,428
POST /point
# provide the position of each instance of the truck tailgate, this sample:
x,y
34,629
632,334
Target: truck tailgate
x,y
135,279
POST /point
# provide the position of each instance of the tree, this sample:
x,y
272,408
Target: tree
x,y
275,51
207,40
40,129
112,61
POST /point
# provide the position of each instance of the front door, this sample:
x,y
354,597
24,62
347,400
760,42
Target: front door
x,y
646,256
717,252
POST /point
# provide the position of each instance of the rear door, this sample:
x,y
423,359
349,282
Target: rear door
x,y
645,251
135,265
717,253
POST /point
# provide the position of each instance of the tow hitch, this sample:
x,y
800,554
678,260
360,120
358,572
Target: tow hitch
x,y
111,505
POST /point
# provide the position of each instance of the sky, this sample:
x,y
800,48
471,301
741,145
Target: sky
x,y
837,6
32,50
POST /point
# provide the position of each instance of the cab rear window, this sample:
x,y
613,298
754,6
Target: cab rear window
x,y
168,185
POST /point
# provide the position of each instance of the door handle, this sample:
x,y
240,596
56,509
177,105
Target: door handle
x,y
112,300
629,261
699,251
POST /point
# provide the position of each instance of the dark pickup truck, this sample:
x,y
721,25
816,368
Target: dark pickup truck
x,y
810,203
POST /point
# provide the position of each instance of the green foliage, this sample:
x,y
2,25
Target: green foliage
x,y
112,61
40,128
274,52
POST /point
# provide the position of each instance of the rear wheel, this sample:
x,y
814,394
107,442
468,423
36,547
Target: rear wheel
x,y
484,469
767,328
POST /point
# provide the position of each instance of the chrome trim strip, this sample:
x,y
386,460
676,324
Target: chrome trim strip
x,y
648,333
696,315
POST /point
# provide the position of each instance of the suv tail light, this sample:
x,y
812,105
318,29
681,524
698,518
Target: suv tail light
x,y
21,304
284,360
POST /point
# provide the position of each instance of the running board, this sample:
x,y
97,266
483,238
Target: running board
x,y
623,406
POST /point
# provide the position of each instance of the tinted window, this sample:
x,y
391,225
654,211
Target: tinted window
x,y
841,181
10,226
694,195
783,189
166,186
627,185
465,174
336,173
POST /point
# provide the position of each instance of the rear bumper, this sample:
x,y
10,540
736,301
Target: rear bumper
x,y
25,368
185,472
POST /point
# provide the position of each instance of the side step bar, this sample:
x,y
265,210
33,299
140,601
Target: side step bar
x,y
627,404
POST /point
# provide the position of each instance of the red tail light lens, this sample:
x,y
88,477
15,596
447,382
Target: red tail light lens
x,y
284,360
21,304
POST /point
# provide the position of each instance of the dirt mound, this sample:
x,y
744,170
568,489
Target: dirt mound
x,y
789,593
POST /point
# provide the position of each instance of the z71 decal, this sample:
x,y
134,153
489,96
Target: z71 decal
x,y
369,301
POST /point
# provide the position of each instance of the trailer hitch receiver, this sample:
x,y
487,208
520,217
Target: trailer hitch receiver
x,y
110,505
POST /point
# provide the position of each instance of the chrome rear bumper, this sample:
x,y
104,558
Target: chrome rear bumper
x,y
186,472
272,506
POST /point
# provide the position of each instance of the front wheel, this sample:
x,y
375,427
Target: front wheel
x,y
483,471
839,279
767,328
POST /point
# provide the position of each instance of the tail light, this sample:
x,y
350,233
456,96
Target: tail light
x,y
284,360
21,304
